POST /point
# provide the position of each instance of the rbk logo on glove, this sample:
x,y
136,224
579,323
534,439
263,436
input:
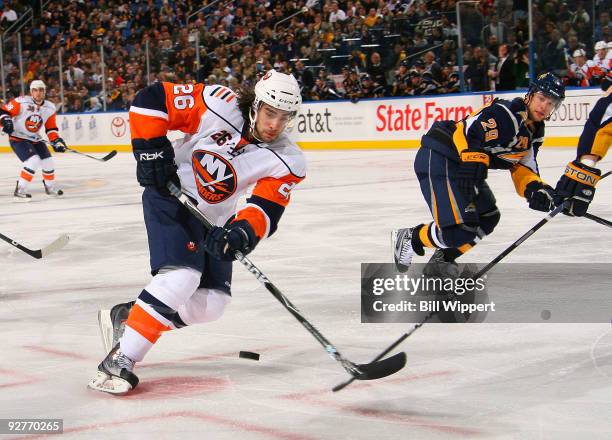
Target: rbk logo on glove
x,y
151,156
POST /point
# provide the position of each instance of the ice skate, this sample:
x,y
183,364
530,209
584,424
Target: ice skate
x,y
52,191
112,324
20,195
439,266
401,240
115,374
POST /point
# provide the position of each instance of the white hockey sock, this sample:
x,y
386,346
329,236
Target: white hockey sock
x,y
27,172
152,313
48,172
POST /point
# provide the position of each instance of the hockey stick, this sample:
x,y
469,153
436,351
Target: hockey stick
x,y
108,157
480,273
599,220
370,371
56,245
101,159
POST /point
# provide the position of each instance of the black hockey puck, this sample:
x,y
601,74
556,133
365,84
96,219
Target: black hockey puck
x,y
249,355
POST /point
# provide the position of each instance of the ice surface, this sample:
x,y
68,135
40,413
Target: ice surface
x,y
501,381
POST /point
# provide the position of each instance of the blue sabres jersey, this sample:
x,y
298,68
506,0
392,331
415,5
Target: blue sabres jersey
x,y
500,129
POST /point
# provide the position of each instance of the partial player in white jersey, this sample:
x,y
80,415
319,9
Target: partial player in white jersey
x,y
22,119
233,141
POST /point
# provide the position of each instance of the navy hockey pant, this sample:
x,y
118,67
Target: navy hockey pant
x,y
459,220
176,238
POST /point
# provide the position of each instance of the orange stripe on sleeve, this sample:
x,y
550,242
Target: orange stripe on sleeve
x,y
256,219
51,123
13,108
143,323
277,190
147,127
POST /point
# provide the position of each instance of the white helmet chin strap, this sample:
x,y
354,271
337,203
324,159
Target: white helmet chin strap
x,y
253,118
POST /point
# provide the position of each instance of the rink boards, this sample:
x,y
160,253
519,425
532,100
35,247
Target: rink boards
x,y
395,123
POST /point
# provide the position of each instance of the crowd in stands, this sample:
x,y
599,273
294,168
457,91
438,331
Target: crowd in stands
x,y
349,49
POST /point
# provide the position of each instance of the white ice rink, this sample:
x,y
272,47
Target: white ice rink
x,y
483,381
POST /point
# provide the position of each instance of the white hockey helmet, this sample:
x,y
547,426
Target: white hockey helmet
x,y
579,53
278,90
601,45
37,84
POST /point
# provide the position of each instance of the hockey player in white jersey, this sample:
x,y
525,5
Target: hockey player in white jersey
x,y
233,141
22,119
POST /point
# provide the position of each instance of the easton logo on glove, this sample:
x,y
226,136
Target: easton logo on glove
x,y
580,175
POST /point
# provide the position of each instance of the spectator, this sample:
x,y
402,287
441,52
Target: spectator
x,y
376,70
496,28
352,86
432,66
476,73
9,16
336,13
579,72
521,68
603,21
553,56
504,70
400,82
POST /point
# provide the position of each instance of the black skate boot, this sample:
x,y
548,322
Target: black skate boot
x,y
115,374
439,266
112,324
20,195
52,191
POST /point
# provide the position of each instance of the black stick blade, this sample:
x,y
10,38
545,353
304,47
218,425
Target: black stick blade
x,y
382,368
109,155
376,370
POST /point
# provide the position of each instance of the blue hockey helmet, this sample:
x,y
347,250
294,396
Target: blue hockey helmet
x,y
550,85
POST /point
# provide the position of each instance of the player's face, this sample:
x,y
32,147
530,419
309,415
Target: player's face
x,y
541,106
270,122
38,95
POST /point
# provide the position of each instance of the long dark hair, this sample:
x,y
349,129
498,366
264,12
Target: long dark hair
x,y
246,97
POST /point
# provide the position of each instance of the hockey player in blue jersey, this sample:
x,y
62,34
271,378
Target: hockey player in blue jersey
x,y
452,164
581,175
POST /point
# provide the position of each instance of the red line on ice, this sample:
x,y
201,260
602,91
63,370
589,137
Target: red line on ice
x,y
265,431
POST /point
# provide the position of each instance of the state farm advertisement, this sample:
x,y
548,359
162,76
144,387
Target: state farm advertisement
x,y
407,119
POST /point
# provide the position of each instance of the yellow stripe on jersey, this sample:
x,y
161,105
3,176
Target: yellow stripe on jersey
x,y
459,138
602,141
523,176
